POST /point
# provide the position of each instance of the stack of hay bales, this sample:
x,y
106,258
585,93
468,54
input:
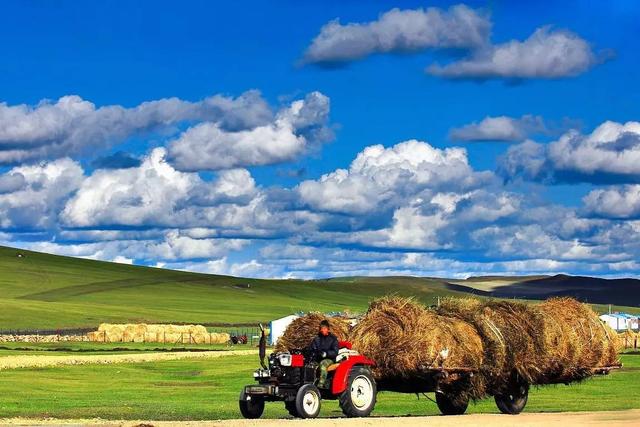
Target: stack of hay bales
x,y
178,334
302,330
560,340
513,338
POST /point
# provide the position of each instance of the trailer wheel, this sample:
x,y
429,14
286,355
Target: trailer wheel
x,y
513,402
359,398
290,406
451,406
308,401
251,408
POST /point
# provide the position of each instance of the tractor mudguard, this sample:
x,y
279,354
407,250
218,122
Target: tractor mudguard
x,y
341,376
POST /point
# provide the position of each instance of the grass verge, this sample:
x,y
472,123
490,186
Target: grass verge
x,y
208,389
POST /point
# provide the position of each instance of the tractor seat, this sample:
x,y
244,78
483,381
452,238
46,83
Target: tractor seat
x,y
333,367
345,344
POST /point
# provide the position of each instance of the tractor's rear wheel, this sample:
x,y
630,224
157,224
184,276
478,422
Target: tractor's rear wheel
x,y
308,401
251,406
514,401
290,406
449,405
359,398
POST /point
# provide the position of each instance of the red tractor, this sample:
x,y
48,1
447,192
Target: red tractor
x,y
292,378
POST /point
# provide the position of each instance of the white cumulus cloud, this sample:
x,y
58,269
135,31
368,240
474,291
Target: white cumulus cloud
x,y
500,128
546,54
615,202
134,196
400,31
610,154
382,177
208,146
33,195
72,125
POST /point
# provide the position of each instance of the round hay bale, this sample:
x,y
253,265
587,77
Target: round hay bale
x,y
301,331
403,338
194,329
579,340
199,338
220,338
512,333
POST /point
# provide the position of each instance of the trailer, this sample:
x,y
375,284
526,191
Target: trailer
x,y
292,378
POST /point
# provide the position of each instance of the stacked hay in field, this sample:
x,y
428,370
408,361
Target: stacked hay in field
x,y
301,331
178,334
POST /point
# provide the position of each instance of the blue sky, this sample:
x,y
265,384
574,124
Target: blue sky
x,y
525,155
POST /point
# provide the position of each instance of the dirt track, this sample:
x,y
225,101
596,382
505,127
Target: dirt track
x,y
40,361
618,418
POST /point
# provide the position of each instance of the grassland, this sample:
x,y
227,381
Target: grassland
x,y
208,389
89,348
50,292
42,291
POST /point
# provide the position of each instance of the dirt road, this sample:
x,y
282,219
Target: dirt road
x,y
40,361
618,418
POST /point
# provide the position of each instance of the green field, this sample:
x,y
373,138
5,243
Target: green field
x,y
88,348
50,292
42,291
208,389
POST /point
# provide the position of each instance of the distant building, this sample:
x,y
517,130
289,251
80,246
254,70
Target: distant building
x,y
621,321
277,327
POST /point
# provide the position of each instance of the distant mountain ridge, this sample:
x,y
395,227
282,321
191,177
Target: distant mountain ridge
x,y
589,289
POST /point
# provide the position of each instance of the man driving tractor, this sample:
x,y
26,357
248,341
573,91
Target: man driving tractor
x,y
324,348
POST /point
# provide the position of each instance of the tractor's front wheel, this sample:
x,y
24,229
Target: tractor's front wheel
x,y
514,401
359,398
308,401
450,405
251,406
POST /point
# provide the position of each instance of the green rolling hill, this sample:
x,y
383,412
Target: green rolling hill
x,y
46,291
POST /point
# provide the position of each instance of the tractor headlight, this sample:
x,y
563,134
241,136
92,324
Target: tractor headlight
x,y
284,359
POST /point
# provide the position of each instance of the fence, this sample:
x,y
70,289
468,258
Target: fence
x,y
162,337
245,335
631,341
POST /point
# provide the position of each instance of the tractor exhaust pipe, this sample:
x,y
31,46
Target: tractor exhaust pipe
x,y
262,347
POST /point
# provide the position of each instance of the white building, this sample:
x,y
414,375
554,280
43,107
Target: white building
x,y
277,327
620,321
